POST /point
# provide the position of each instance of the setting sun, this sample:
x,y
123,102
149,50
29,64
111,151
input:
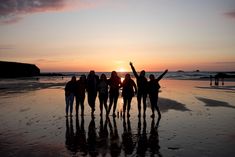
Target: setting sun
x,y
121,69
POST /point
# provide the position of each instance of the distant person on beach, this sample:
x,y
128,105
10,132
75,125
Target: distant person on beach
x,y
153,90
114,83
92,82
80,93
70,89
128,91
103,93
142,88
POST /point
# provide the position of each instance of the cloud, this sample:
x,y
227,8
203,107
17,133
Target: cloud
x,y
6,47
12,11
230,14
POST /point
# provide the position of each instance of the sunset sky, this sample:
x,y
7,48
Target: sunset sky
x,y
105,35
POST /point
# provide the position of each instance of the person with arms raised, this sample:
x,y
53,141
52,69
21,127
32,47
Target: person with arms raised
x,y
142,88
153,90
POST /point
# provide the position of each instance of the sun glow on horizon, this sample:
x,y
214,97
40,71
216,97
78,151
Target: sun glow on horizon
x,y
121,69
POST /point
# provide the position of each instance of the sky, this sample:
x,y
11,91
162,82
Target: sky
x,y
105,35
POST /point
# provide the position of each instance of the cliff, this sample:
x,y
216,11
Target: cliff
x,y
14,69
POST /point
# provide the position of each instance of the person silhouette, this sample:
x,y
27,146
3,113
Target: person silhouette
x,y
80,93
153,90
154,139
70,89
114,84
142,138
92,82
142,89
103,93
128,87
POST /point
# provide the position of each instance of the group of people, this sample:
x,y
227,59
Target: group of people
x,y
109,88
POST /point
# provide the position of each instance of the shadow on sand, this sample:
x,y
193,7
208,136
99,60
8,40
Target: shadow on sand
x,y
168,104
214,103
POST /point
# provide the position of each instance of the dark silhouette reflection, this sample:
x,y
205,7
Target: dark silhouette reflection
x,y
142,138
69,135
80,136
92,137
105,140
115,144
127,137
102,140
154,139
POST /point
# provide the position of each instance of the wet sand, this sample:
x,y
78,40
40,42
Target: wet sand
x,y
197,120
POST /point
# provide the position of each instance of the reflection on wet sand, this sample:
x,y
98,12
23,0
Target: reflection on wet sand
x,y
105,140
127,137
215,103
115,144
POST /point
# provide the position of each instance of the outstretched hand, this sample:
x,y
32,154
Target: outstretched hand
x,y
131,63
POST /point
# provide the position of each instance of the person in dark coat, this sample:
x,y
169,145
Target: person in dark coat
x,y
142,88
103,93
153,90
80,93
128,91
92,82
114,84
70,88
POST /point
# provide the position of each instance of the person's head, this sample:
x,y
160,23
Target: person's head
x,y
103,77
92,72
73,78
151,77
113,74
83,77
127,76
142,73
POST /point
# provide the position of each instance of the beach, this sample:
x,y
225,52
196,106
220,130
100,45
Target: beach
x,y
197,120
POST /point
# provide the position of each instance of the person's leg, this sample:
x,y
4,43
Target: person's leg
x,y
152,105
71,103
124,106
82,105
139,103
115,104
111,97
92,105
101,100
93,101
67,105
157,108
144,103
105,103
129,106
89,99
77,104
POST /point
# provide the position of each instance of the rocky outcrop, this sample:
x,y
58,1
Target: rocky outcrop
x,y
14,69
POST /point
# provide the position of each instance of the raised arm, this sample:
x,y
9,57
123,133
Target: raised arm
x,y
160,77
133,70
